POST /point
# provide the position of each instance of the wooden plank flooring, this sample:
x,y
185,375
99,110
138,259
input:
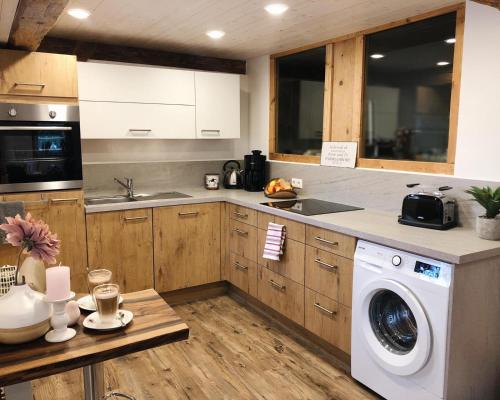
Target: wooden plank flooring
x,y
232,353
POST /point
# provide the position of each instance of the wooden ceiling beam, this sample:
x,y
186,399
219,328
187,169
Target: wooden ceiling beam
x,y
491,3
106,52
33,20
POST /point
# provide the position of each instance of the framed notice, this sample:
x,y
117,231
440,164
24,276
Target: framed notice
x,y
339,154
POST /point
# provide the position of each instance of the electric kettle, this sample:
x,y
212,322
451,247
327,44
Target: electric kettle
x,y
233,178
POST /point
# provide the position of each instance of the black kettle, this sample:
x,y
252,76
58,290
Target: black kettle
x,y
233,179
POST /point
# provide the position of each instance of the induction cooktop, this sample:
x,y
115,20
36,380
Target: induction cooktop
x,y
310,206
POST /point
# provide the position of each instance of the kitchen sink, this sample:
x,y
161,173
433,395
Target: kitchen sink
x,y
94,201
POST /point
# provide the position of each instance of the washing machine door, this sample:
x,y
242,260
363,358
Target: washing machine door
x,y
395,327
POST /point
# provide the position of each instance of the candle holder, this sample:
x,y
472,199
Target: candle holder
x,y
59,321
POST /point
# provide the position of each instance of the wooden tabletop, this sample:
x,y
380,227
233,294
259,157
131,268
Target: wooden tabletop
x,y
154,324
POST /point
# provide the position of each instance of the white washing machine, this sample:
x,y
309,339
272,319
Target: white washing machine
x,y
400,317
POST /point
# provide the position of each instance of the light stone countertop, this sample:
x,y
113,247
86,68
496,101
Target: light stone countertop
x,y
456,246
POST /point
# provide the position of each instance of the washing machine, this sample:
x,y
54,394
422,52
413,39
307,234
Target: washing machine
x,y
400,317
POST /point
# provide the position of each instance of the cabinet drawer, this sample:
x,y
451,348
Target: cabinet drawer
x,y
291,263
331,241
294,230
243,274
329,275
328,319
243,214
281,294
243,239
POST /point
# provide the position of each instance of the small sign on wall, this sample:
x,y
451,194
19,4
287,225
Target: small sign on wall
x,y
339,154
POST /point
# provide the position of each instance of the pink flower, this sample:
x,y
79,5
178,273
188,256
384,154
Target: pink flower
x,y
32,236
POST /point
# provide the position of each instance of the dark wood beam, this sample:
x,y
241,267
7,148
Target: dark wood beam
x,y
108,52
492,3
33,20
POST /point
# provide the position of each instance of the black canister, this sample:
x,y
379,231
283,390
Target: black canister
x,y
255,171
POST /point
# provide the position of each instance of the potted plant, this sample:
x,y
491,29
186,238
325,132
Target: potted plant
x,y
487,225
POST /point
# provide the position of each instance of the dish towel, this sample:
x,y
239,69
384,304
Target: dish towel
x,y
275,241
9,209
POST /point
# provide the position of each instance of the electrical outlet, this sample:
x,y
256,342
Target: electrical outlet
x,y
297,183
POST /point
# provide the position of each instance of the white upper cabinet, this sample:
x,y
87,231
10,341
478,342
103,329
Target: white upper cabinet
x,y
135,84
217,105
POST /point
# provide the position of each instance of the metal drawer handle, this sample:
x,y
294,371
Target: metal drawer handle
x,y
41,85
129,219
140,132
35,203
210,132
320,239
326,310
188,214
240,232
238,265
333,268
277,285
70,200
240,215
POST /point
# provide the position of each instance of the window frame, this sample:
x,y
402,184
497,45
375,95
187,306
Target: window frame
x,y
354,129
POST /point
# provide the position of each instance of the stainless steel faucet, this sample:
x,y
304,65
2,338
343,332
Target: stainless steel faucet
x,y
129,185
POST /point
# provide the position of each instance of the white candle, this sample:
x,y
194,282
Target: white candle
x,y
58,283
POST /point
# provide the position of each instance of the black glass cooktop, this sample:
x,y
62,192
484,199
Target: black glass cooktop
x,y
310,206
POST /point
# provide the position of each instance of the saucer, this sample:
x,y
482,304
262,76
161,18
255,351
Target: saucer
x,y
86,303
93,321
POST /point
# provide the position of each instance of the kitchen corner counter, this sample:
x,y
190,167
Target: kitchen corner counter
x,y
456,246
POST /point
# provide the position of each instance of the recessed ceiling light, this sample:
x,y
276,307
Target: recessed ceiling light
x,y
442,63
377,56
78,13
450,40
216,34
276,8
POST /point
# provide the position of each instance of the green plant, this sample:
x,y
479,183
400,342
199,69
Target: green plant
x,y
488,198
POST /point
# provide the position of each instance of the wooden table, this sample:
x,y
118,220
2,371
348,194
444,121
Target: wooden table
x,y
154,324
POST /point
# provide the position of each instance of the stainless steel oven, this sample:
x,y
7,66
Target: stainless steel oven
x,y
40,147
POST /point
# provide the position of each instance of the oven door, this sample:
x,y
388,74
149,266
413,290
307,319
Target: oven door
x,y
40,156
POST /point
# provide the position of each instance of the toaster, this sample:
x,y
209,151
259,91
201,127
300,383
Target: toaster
x,y
429,210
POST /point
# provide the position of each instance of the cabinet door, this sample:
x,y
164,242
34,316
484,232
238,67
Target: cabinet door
x,y
122,241
135,84
243,239
37,74
217,105
66,217
187,245
136,121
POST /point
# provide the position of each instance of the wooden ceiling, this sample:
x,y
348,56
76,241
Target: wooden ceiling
x,y
180,25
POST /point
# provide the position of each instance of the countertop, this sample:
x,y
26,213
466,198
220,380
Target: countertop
x,y
457,246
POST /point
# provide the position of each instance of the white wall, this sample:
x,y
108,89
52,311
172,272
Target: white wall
x,y
478,141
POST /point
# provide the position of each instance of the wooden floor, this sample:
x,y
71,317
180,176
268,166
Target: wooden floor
x,y
232,353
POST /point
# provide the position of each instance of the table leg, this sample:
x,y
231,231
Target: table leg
x,y
93,382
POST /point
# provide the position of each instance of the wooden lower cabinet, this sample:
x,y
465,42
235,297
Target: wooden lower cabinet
x,y
243,274
294,230
187,242
64,212
122,241
281,294
331,241
328,319
243,239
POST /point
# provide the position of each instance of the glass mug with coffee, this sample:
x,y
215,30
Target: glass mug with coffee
x,y
106,297
98,277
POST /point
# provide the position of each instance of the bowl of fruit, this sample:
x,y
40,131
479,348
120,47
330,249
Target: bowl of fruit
x,y
279,188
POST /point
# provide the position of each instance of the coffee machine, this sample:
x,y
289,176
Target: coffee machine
x,y
255,171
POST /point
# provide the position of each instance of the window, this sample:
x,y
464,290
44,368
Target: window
x,y
299,92
408,91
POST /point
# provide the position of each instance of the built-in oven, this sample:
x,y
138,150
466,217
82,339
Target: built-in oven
x,y
40,147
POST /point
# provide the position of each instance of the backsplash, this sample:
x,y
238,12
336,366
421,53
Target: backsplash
x,y
376,190
157,176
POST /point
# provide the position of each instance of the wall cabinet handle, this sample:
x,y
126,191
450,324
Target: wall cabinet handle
x,y
140,132
326,310
240,215
240,232
238,265
130,219
69,200
277,285
40,85
188,214
320,239
210,132
332,268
